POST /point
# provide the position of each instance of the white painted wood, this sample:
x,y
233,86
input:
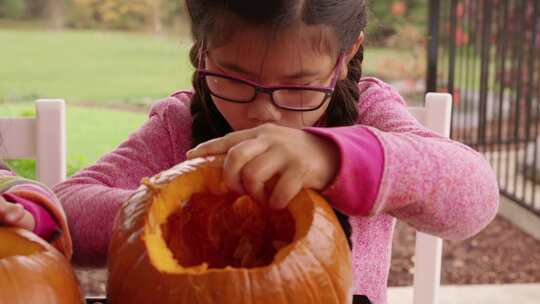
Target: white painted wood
x,y
18,138
427,268
474,294
51,141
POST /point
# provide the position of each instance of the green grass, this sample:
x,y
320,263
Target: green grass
x,y
90,66
91,132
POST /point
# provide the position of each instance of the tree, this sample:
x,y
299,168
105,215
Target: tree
x,y
13,9
56,13
157,19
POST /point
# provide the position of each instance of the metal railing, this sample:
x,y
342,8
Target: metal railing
x,y
486,53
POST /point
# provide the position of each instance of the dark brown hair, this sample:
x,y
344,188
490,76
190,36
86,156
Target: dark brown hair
x,y
209,18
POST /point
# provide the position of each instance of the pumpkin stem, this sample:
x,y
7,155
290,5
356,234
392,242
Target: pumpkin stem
x,y
151,186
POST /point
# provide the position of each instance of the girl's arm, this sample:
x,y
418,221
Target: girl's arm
x,y
391,163
49,221
92,197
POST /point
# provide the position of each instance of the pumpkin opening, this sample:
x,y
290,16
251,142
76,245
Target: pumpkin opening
x,y
13,244
224,230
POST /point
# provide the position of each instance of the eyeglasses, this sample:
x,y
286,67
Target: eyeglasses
x,y
290,97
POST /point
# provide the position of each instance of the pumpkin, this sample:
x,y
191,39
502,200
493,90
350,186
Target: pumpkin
x,y
33,271
183,238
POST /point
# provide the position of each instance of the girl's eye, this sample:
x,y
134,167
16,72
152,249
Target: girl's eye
x,y
302,82
311,83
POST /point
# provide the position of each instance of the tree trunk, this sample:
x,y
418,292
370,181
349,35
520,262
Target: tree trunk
x,y
56,10
156,16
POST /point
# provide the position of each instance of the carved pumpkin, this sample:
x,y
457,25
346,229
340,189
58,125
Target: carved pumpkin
x,y
32,271
183,238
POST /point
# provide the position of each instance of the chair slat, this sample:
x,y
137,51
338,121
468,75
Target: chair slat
x,y
17,138
436,115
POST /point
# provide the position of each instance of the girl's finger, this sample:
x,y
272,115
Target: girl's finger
x,y
287,187
27,221
3,206
260,170
220,145
237,157
5,209
13,214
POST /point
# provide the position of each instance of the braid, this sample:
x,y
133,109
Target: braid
x,y
208,123
343,110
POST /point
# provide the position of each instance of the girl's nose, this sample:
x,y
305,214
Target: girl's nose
x,y
263,109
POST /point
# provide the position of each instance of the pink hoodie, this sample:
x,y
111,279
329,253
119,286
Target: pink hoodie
x,y
391,167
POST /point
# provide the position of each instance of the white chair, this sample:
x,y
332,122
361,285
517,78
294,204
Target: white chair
x,y
436,116
42,138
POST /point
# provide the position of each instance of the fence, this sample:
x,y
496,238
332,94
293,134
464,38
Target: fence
x,y
487,54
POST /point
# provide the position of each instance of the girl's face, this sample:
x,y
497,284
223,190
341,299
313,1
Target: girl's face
x,y
290,59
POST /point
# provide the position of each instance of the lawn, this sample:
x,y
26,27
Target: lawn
x,y
90,66
91,133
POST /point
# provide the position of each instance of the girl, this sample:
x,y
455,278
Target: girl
x,y
278,88
30,205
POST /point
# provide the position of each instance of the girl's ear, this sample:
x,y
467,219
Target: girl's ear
x,y
349,55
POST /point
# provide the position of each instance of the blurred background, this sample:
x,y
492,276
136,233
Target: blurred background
x,y
111,59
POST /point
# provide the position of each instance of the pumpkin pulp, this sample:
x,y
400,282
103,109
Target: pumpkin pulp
x,y
226,230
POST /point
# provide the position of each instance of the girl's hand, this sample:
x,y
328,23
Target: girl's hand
x,y
254,156
14,215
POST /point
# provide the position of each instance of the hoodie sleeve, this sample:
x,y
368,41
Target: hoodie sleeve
x,y
40,201
391,163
